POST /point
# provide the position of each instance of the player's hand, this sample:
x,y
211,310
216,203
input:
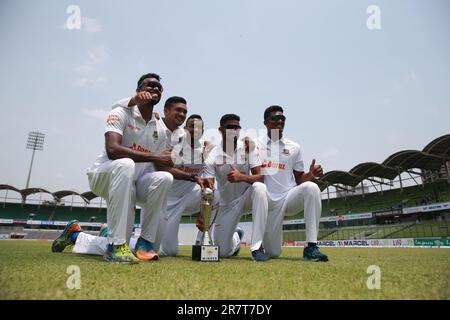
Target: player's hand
x,y
208,183
201,182
234,176
315,169
142,97
249,144
165,159
200,223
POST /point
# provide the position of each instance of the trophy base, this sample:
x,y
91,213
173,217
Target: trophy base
x,y
205,253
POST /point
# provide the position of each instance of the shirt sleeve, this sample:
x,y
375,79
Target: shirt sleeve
x,y
116,121
298,162
121,103
209,167
254,159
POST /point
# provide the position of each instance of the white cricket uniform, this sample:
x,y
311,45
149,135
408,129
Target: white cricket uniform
x,y
236,198
123,183
286,198
184,197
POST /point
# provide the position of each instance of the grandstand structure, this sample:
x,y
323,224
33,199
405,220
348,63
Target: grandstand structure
x,y
422,209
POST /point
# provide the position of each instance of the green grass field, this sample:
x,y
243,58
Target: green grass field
x,y
29,270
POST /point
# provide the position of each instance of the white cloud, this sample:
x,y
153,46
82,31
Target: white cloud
x,y
90,25
98,54
329,152
96,57
98,114
90,81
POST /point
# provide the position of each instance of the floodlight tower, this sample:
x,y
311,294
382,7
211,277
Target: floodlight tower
x,y
35,142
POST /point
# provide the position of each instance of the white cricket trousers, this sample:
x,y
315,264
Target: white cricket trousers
x,y
177,205
302,197
121,183
253,200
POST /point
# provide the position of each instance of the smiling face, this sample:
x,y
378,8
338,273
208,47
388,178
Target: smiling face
x,y
176,113
195,128
153,86
275,124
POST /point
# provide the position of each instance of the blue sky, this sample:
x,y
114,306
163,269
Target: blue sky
x,y
350,94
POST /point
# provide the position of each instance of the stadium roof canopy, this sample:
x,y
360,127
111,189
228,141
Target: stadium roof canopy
x,y
86,196
439,146
89,195
408,159
26,192
342,177
372,169
9,187
65,193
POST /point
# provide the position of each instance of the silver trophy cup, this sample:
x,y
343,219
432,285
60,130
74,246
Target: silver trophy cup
x,y
206,251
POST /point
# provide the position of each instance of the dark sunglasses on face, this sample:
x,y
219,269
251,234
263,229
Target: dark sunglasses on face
x,y
277,117
233,127
152,85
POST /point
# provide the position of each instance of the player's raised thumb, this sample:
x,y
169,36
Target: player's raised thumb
x,y
313,162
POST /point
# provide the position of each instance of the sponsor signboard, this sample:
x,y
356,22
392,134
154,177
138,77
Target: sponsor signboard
x,y
431,242
406,242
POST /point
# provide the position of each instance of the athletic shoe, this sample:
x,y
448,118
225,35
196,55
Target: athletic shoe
x,y
120,254
64,240
312,253
144,250
240,233
259,255
103,232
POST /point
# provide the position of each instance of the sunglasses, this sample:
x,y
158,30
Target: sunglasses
x,y
277,117
152,85
233,127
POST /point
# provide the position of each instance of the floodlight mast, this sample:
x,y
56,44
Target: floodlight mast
x,y
35,142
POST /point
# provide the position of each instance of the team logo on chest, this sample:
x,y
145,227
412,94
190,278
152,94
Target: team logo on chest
x,y
155,135
286,152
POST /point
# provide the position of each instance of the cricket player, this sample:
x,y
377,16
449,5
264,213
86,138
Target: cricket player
x,y
124,175
183,196
290,189
241,188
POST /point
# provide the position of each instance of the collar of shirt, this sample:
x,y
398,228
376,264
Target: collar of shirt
x,y
137,114
178,134
266,140
239,147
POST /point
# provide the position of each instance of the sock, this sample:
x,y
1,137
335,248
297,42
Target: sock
x,y
74,236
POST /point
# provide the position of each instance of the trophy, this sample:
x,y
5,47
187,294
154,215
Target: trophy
x,y
206,250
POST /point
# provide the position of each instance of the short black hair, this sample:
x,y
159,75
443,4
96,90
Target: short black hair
x,y
172,100
271,109
194,116
227,117
148,75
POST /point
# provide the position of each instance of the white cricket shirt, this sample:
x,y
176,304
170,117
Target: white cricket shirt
x,y
218,165
279,159
136,134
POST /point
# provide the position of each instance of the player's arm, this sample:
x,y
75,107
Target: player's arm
x,y
315,172
115,150
142,97
179,174
235,176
